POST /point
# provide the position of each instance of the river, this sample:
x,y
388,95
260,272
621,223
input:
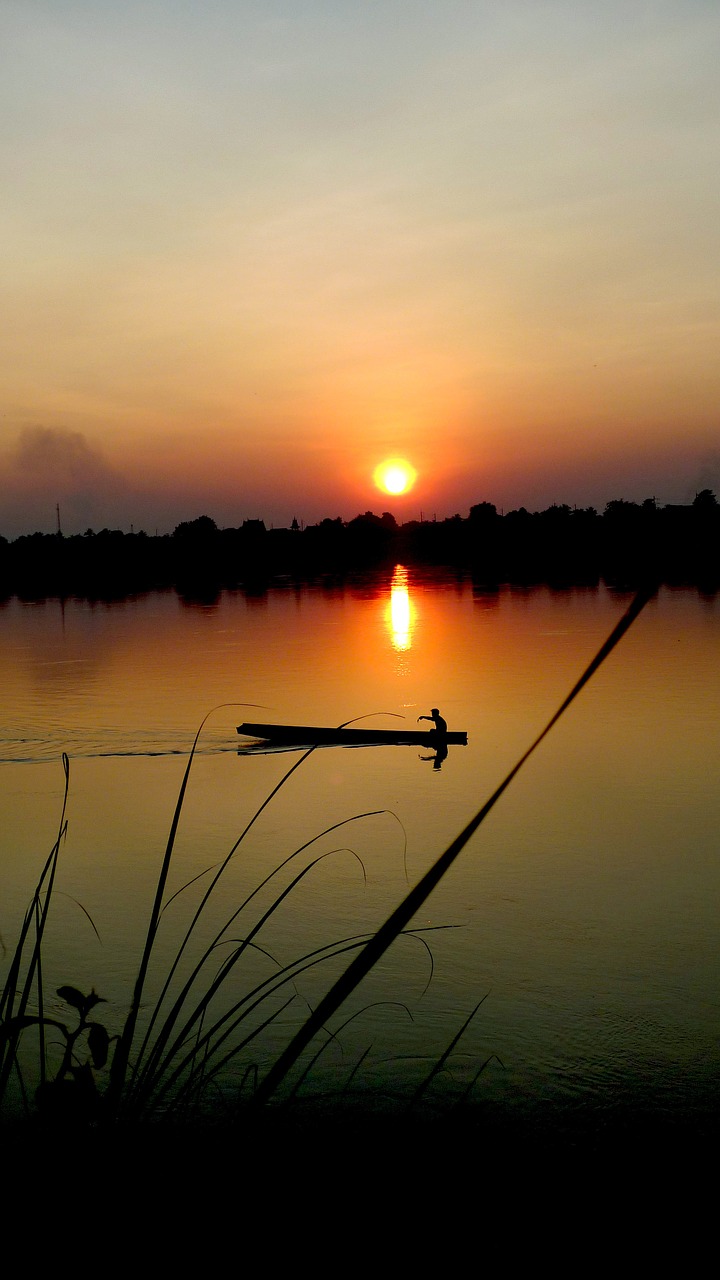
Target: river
x,y
583,913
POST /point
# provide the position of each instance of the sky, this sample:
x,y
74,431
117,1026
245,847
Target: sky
x,y
251,249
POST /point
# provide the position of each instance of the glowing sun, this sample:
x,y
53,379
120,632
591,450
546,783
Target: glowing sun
x,y
395,476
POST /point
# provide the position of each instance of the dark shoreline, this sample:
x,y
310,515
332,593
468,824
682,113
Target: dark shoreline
x,y
327,1135
628,545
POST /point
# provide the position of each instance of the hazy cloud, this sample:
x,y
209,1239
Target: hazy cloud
x,y
61,455
53,465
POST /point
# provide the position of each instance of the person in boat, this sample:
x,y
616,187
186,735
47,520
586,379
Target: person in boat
x,y
438,721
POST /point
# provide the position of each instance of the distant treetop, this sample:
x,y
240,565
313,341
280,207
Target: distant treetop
x,y
201,527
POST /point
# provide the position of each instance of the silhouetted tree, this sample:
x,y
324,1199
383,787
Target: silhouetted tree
x,y
202,527
483,512
369,537
619,509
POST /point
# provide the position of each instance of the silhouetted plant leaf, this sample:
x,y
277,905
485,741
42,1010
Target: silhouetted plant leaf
x,y
72,996
90,1001
98,1041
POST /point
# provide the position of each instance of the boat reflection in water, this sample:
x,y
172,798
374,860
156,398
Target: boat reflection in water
x,y
440,755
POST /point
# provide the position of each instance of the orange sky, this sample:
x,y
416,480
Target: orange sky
x,y
252,249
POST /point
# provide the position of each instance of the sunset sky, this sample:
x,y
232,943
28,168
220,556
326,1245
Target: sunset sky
x,y
251,249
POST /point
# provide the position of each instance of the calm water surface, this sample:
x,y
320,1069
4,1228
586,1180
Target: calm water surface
x,y
585,909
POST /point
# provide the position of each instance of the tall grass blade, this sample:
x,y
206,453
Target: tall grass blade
x,y
162,1084
439,1065
170,1018
401,916
37,912
155,1064
121,1056
221,869
149,1056
129,1031
333,1037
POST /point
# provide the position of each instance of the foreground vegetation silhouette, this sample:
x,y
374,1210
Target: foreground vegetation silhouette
x,y
188,1041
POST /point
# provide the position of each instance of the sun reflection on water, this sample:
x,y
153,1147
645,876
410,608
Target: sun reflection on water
x,y
401,611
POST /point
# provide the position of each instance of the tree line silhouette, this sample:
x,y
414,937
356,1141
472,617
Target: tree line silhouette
x,y
562,545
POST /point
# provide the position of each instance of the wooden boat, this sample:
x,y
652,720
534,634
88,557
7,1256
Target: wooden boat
x,y
311,735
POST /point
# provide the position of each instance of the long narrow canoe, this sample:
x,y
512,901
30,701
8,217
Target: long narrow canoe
x,y
310,735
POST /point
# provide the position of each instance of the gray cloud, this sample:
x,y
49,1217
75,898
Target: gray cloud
x,y
54,465
59,455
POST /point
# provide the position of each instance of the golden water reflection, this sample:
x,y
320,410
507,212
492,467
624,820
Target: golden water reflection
x,y
401,611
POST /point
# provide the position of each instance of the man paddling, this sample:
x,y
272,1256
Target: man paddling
x,y
437,719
